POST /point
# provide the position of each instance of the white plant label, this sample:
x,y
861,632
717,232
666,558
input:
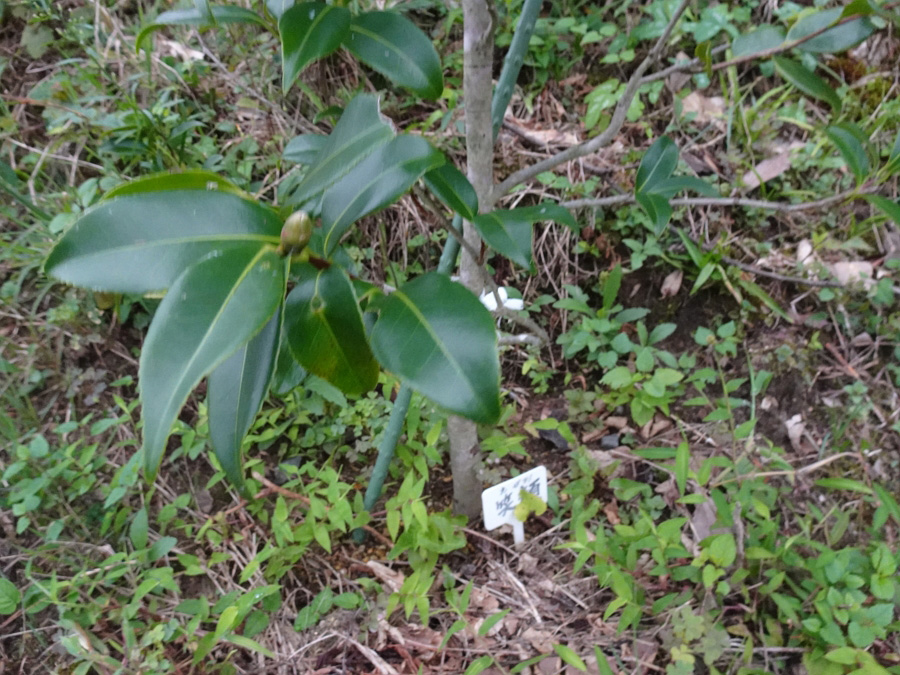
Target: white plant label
x,y
499,502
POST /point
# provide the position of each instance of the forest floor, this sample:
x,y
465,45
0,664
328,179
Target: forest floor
x,y
720,532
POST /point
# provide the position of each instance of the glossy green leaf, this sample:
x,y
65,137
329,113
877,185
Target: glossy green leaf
x,y
395,47
807,82
657,164
834,40
309,31
193,179
380,179
325,330
760,39
889,207
288,373
205,11
452,187
236,391
548,211
141,243
507,233
850,142
195,17
657,207
278,7
212,309
305,148
669,187
360,131
440,340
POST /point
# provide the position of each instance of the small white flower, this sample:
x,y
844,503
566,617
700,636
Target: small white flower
x,y
490,301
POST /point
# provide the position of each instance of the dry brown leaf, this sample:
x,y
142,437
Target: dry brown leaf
x,y
671,284
392,578
645,652
611,511
708,110
527,565
419,640
679,79
853,272
483,601
766,170
541,640
614,422
669,491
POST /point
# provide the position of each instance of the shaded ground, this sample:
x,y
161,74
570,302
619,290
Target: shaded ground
x,y
64,360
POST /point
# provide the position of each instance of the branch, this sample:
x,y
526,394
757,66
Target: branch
x,y
780,207
605,138
695,65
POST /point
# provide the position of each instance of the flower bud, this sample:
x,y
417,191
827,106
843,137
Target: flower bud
x,y
296,232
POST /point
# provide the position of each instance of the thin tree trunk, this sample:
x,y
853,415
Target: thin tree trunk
x,y
478,46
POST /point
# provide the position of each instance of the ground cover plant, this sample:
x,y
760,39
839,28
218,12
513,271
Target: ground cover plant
x,y
704,353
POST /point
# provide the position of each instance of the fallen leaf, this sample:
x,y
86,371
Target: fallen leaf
x,y
614,422
796,427
679,79
766,170
611,511
805,254
707,110
541,640
392,578
852,272
671,284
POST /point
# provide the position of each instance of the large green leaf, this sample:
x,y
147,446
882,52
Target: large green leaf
x,y
657,207
807,81
360,131
288,373
548,211
197,17
657,164
309,31
375,182
509,232
760,39
142,242
211,310
278,7
305,148
672,185
192,179
833,40
324,328
395,47
236,391
437,337
454,189
851,142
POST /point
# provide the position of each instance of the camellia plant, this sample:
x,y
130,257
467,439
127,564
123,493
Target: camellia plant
x,y
226,261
